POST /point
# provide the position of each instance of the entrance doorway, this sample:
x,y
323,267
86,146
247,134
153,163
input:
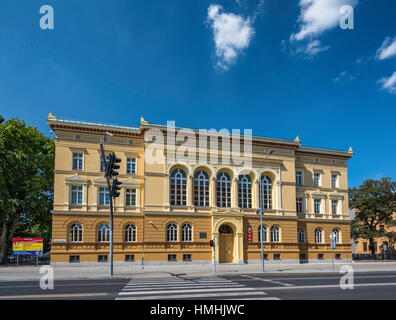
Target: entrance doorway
x,y
226,244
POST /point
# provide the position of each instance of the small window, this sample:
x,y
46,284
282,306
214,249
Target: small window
x,y
316,179
77,161
77,194
317,205
303,256
131,197
186,257
338,256
104,199
334,181
102,166
277,256
102,258
320,256
172,257
334,204
129,258
131,166
299,205
299,178
74,259
365,246
265,256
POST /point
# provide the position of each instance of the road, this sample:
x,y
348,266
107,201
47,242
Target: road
x,y
369,285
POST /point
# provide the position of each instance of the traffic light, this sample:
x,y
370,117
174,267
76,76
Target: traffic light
x,y
114,189
211,243
112,166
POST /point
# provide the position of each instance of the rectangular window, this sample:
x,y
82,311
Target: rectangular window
x,y
102,166
299,204
320,256
131,197
365,246
104,199
172,257
334,181
338,256
186,257
334,204
77,161
129,258
302,256
316,179
74,259
77,194
277,256
265,256
131,165
102,258
317,205
299,177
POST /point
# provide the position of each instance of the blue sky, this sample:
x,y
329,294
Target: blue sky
x,y
282,68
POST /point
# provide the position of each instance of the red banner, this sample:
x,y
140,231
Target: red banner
x,y
249,235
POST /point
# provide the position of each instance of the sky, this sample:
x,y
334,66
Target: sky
x,y
282,68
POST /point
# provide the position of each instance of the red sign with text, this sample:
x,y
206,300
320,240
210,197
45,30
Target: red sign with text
x,y
249,235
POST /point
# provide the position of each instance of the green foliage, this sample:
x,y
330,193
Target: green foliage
x,y
26,181
375,202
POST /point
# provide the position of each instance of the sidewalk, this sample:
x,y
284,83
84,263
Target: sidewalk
x,y
101,272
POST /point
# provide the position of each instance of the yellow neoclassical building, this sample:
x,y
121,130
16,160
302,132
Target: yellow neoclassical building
x,y
169,210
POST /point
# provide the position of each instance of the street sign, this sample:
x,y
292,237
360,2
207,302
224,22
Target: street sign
x,y
332,243
27,246
332,235
249,235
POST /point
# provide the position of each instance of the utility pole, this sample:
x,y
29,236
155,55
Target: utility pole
x,y
260,212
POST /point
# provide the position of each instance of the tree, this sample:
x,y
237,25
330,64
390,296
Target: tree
x,y
26,181
375,202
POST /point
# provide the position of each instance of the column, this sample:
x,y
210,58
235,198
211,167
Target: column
x,y
213,193
235,200
166,194
67,200
278,197
190,194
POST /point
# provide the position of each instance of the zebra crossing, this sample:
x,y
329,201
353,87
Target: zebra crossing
x,y
181,288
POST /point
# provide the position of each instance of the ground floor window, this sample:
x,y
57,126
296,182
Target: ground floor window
x,y
303,256
364,246
277,256
102,258
74,259
129,258
186,257
320,256
172,257
338,256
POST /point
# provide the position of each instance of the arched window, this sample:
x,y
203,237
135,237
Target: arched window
x,y
265,192
225,229
274,234
201,189
186,230
337,233
245,191
301,235
318,235
264,234
130,233
103,233
178,186
223,190
75,232
171,232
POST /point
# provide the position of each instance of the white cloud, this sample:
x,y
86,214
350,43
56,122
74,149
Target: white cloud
x,y
389,83
232,33
344,76
317,16
314,47
387,50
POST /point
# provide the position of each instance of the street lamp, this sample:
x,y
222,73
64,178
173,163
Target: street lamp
x,y
260,212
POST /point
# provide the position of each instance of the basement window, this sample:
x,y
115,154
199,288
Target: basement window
x,y
102,258
172,257
186,257
74,259
129,258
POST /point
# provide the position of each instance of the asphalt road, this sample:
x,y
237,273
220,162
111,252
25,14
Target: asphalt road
x,y
378,285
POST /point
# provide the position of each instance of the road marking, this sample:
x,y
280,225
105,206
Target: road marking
x,y
198,295
62,295
336,276
36,284
328,286
180,287
270,281
186,291
258,298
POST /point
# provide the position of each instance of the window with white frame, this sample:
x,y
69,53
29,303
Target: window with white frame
x,y
171,232
130,233
201,189
104,199
245,191
299,178
265,194
130,197
337,235
316,179
77,161
102,166
178,184
274,234
301,235
131,166
104,233
186,232
334,205
334,178
77,194
223,190
317,203
299,205
75,232
318,235
264,234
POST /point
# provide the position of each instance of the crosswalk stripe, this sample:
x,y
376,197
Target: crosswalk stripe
x,y
197,295
185,291
253,298
184,283
128,289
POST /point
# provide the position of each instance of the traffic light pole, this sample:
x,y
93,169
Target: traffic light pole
x,y
261,238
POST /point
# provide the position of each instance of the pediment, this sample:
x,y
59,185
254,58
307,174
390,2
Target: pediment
x,y
76,179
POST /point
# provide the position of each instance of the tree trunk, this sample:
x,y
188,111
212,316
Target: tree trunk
x,y
3,244
371,246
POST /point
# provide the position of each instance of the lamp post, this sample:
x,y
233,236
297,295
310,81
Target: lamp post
x,y
260,212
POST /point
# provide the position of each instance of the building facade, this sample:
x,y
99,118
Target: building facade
x,y
169,211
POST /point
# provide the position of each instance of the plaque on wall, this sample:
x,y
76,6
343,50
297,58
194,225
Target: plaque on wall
x,y
202,235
